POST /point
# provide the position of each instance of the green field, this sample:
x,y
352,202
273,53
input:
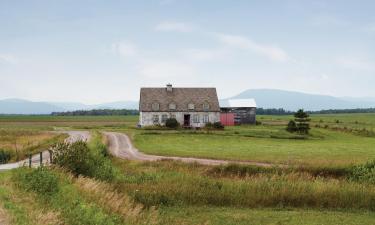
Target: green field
x,y
166,192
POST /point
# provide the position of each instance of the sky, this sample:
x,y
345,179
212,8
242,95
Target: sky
x,y
100,51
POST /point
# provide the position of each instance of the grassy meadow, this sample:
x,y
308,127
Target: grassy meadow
x,y
318,189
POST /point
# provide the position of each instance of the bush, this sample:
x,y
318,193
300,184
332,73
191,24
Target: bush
x,y
172,123
80,160
292,126
257,122
363,173
40,180
218,125
4,156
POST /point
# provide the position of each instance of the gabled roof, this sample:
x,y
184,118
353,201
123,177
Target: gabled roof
x,y
179,96
238,103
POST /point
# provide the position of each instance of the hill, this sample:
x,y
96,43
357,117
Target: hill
x,y
290,100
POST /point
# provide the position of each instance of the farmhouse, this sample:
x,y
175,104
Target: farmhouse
x,y
238,111
191,107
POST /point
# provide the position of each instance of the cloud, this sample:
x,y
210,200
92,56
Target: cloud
x,y
355,64
174,26
241,42
9,59
196,54
124,48
158,69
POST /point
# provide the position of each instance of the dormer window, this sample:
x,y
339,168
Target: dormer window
x,y
206,106
155,106
191,106
172,106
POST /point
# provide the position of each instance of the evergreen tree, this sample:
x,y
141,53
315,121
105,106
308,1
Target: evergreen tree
x,y
302,121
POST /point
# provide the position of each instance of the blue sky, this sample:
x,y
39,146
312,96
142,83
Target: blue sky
x,y
99,51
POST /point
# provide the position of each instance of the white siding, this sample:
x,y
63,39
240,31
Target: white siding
x,y
146,118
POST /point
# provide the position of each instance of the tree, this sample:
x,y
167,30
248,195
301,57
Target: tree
x,y
302,121
292,126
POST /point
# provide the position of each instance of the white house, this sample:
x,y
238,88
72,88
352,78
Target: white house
x,y
191,107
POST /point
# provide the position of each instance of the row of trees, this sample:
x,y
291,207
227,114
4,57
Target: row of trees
x,y
98,112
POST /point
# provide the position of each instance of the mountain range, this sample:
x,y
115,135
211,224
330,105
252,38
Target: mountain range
x,y
265,98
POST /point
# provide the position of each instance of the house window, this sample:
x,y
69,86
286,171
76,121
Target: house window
x,y
155,106
206,118
172,106
191,106
206,106
164,118
173,116
155,119
196,118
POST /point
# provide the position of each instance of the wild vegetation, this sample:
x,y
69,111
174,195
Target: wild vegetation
x,y
337,190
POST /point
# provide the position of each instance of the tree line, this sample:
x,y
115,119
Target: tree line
x,y
98,112
261,111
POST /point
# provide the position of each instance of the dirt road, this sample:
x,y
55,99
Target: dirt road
x,y
35,160
121,146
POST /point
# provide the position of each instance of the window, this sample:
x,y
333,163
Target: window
x,y
173,116
196,118
155,106
155,119
206,106
164,118
172,106
206,118
191,106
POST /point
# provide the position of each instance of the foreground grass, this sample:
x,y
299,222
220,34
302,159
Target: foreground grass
x,y
243,216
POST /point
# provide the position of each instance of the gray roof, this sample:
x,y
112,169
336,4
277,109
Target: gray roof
x,y
179,96
238,103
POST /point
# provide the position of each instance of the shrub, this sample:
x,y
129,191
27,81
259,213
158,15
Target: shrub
x,y
172,123
258,123
4,156
363,173
80,160
218,125
40,180
292,127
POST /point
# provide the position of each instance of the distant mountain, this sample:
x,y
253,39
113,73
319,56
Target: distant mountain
x,y
290,100
20,106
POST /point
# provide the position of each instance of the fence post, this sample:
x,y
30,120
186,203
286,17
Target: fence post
x,y
30,156
50,156
41,158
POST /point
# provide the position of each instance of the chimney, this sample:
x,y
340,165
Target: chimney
x,y
169,87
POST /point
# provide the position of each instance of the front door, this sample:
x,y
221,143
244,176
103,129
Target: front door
x,y
187,120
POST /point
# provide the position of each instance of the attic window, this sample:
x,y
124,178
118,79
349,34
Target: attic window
x,y
155,106
191,106
172,106
206,106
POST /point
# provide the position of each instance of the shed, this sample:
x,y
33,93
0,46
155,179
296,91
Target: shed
x,y
243,110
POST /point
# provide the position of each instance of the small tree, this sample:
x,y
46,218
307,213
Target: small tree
x,y
300,124
302,121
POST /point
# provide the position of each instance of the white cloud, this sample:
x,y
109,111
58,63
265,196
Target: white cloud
x,y
124,48
158,69
174,26
273,53
6,58
355,64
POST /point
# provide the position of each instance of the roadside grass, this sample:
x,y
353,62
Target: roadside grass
x,y
19,143
175,184
269,216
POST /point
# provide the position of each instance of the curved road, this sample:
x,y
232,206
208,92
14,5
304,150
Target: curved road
x,y
121,147
35,160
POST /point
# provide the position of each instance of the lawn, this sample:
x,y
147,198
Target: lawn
x,y
251,143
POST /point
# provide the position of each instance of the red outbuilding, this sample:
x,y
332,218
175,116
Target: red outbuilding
x,y
227,119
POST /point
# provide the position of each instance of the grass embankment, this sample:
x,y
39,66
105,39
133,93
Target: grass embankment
x,y
19,143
